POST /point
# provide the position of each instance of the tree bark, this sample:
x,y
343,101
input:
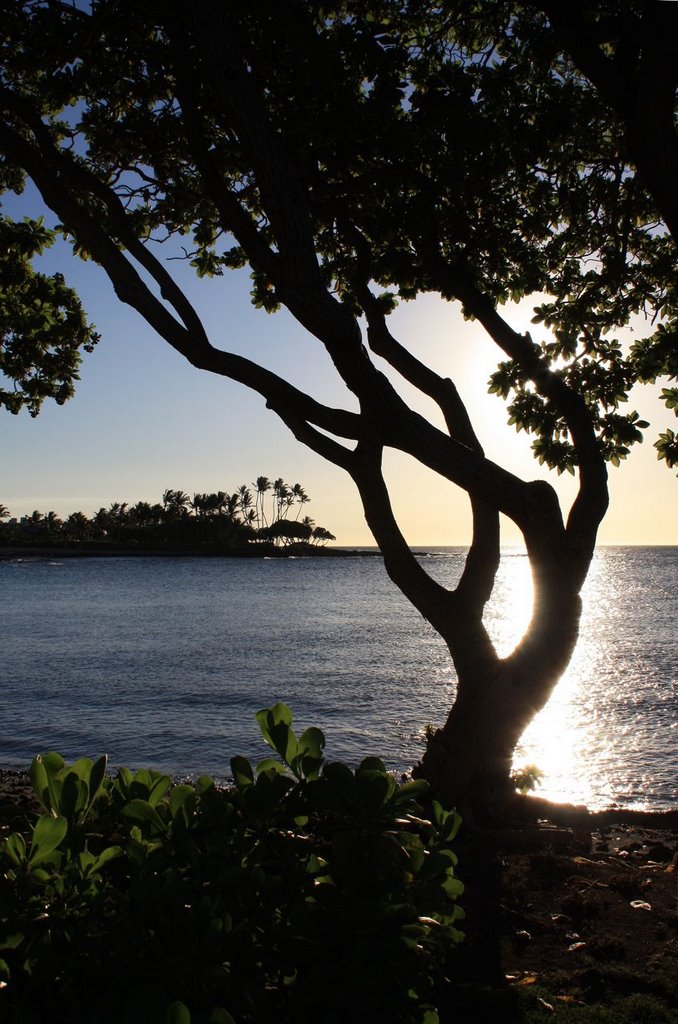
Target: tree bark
x,y
468,761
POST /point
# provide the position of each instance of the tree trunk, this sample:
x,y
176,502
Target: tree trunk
x,y
468,761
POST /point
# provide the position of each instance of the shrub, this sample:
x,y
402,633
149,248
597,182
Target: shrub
x,y
306,890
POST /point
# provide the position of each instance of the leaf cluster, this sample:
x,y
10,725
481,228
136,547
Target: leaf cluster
x,y
43,327
307,889
417,147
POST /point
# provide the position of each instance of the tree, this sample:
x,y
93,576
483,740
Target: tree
x,y
261,484
630,53
300,496
42,323
289,532
354,157
320,534
176,503
78,526
281,499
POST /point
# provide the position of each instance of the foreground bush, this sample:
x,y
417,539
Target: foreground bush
x,y
307,891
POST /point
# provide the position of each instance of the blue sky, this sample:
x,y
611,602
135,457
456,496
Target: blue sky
x,y
143,420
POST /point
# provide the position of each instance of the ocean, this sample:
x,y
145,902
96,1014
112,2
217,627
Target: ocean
x,y
163,662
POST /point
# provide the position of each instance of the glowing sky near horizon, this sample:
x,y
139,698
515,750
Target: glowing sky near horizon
x,y
144,420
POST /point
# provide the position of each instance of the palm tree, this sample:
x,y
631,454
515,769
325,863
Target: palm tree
x,y
211,503
280,493
52,522
4,512
288,501
102,521
176,503
232,506
245,501
35,517
300,496
220,500
78,526
141,513
118,511
198,503
262,484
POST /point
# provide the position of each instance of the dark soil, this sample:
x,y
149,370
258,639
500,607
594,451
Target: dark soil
x,y
592,917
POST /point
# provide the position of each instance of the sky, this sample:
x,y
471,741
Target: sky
x,y
143,420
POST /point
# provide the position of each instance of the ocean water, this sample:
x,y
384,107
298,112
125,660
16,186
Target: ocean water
x,y
163,662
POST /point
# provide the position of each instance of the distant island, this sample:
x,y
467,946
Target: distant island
x,y
263,520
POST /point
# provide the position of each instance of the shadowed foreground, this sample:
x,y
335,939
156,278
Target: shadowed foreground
x,y
576,920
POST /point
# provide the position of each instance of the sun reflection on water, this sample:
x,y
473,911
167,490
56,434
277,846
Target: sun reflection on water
x,y
612,715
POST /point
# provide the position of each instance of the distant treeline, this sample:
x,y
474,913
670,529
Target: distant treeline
x,y
266,514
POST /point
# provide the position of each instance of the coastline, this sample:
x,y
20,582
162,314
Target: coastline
x,y
9,554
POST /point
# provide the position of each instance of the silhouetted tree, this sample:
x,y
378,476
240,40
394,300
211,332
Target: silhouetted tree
x,y
353,156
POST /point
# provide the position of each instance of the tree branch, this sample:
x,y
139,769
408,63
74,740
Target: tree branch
x,y
435,602
50,170
482,561
592,499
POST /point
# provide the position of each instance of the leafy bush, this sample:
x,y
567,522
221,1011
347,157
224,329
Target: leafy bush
x,y
306,891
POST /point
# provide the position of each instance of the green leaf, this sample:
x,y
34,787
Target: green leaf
x,y
340,777
269,764
220,1016
243,775
430,1017
15,848
277,713
47,835
73,797
44,779
142,810
97,776
109,854
453,887
203,784
40,782
275,724
414,789
276,728
312,742
374,788
177,1013
159,786
182,800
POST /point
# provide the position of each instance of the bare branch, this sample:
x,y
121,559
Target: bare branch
x,y
435,602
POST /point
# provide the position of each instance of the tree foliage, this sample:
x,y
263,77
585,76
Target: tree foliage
x,y
42,324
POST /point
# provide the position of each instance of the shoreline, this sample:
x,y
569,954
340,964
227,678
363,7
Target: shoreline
x,y
15,783
10,554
